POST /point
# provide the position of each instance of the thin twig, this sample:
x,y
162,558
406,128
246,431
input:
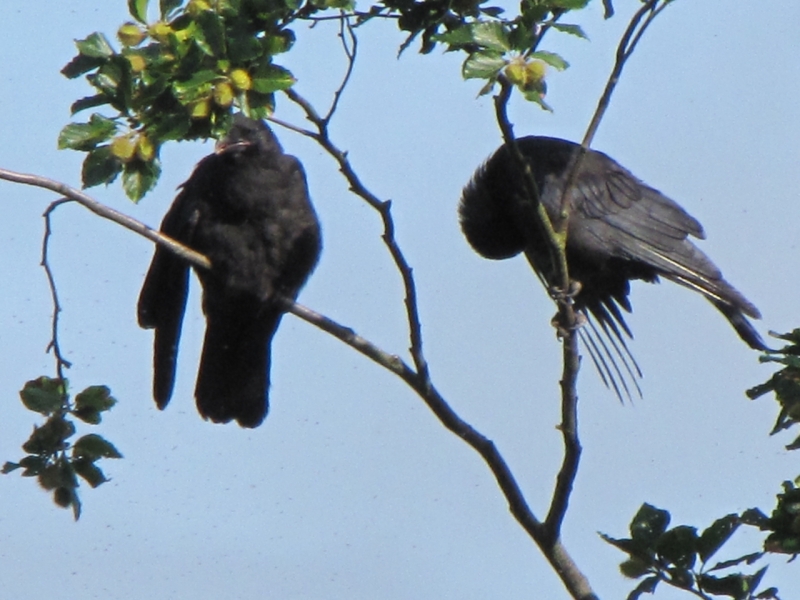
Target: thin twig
x,y
350,49
61,362
384,209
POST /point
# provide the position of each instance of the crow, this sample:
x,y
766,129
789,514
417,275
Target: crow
x,y
619,229
245,207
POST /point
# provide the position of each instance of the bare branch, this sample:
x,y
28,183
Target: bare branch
x,y
350,49
384,209
61,362
106,212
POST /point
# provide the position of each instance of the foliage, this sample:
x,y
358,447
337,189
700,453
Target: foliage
x,y
52,458
679,556
179,77
785,383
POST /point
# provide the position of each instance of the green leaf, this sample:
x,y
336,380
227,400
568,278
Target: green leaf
x,y
755,517
483,65
716,535
107,78
575,30
9,466
491,35
138,178
85,136
43,395
89,472
552,59
633,568
33,465
258,106
648,524
272,78
93,446
537,97
569,4
50,437
460,36
88,102
170,125
57,475
212,29
197,86
97,397
167,6
679,546
81,64
735,586
100,167
95,46
138,10
647,586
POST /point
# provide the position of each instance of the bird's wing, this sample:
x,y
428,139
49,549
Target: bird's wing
x,y
633,221
162,301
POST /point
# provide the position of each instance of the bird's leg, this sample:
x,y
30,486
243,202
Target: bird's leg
x,y
566,296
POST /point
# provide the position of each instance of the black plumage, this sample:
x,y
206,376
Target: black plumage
x,y
619,229
246,207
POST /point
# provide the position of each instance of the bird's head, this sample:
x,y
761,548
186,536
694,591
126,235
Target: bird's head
x,y
247,135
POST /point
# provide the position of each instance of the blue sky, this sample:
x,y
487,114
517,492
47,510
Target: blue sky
x,y
351,488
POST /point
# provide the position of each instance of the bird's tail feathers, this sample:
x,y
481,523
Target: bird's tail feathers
x,y
233,378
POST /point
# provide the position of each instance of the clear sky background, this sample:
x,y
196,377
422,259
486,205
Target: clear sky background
x,y
351,489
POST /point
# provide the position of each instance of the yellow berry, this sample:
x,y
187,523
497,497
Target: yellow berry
x,y
123,147
130,34
223,94
200,109
144,148
138,64
241,80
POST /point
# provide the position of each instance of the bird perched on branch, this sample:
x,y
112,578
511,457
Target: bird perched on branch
x,y
246,208
618,229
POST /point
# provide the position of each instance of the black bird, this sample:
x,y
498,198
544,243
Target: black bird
x,y
619,229
246,208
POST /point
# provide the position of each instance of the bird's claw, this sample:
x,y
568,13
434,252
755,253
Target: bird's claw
x,y
568,295
564,329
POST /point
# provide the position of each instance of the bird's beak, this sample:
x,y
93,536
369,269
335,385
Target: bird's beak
x,y
225,144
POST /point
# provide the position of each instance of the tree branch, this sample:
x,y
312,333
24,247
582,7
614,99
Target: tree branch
x,y
383,208
61,362
106,212
417,380
569,423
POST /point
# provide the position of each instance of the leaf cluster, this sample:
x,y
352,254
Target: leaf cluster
x,y
176,78
52,457
783,524
179,77
785,383
679,556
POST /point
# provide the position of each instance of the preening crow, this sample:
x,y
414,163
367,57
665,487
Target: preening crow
x,y
619,229
246,208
